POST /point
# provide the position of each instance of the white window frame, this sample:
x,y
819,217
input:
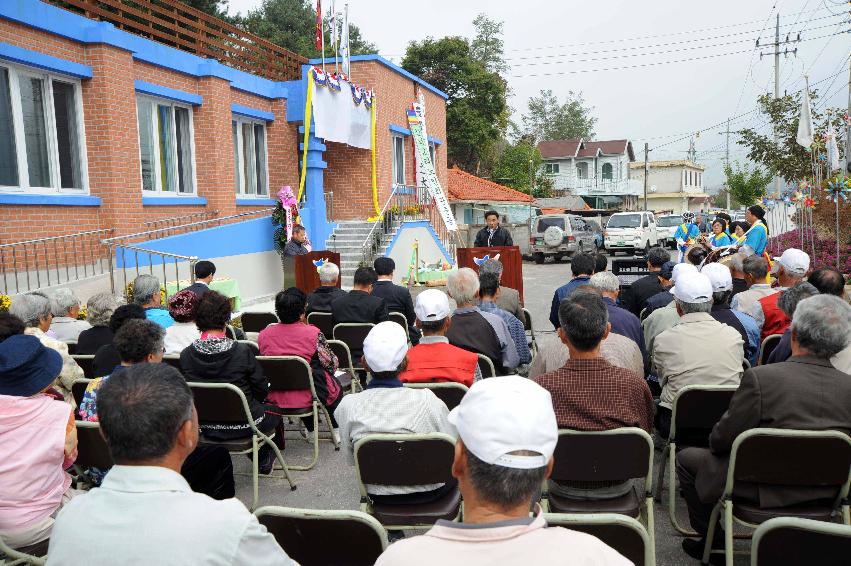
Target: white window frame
x,y
552,168
15,72
394,165
239,170
158,190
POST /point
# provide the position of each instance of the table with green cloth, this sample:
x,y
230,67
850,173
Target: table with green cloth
x,y
426,275
227,287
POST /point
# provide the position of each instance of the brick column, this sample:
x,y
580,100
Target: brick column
x,y
214,146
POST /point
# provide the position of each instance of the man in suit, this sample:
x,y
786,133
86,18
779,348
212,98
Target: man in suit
x,y
493,234
806,392
358,305
508,298
204,272
398,298
320,300
633,297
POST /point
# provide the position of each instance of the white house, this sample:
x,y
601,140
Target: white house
x,y
595,170
675,185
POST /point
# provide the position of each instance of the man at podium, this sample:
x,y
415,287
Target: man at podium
x,y
493,235
296,245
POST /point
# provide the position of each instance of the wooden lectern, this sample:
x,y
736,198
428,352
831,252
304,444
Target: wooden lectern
x,y
510,257
300,272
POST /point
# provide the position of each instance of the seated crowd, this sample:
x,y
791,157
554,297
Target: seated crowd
x,y
618,358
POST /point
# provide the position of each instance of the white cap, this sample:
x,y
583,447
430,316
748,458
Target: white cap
x,y
679,269
720,276
794,261
693,288
385,346
432,304
501,415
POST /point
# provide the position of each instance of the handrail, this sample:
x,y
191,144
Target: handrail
x,y
40,240
171,222
378,221
110,241
150,253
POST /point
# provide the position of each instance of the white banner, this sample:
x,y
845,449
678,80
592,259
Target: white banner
x,y
426,174
336,115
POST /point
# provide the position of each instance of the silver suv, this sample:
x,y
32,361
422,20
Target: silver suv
x,y
559,236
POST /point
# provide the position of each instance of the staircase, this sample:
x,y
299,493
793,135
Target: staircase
x,y
348,239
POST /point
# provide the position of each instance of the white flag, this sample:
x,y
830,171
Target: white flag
x,y
832,150
332,22
805,124
345,52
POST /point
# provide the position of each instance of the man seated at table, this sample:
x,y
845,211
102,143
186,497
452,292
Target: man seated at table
x,y
297,243
204,273
321,298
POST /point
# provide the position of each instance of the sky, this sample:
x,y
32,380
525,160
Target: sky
x,y
655,71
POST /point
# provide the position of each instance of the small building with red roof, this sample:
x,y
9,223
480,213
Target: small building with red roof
x,y
471,196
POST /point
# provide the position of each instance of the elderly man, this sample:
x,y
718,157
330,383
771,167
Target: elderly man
x,y
633,297
65,307
666,317
508,299
755,269
321,298
788,302
722,289
35,312
697,351
804,393
737,271
790,268
150,425
582,268
623,322
98,310
434,359
297,244
148,294
507,435
477,331
489,291
615,349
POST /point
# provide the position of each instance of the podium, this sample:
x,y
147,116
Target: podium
x,y
510,257
300,272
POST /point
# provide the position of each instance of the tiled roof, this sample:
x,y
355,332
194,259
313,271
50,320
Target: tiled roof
x,y
579,148
559,148
466,187
669,163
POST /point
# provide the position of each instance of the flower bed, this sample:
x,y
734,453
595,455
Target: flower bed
x,y
825,250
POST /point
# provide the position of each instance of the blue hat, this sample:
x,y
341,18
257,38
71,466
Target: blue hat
x,y
26,367
667,270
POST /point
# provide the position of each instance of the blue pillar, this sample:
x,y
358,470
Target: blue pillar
x,y
313,213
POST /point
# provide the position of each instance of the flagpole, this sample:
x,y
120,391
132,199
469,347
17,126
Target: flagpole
x,y
346,65
322,38
335,37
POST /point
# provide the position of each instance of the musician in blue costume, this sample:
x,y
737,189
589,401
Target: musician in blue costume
x,y
686,234
719,237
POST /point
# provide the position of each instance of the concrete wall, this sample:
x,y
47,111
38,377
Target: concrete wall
x,y
401,247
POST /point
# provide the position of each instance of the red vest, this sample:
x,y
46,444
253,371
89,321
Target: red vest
x,y
776,321
440,362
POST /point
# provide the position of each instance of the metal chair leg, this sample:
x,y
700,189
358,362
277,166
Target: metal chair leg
x,y
660,477
651,524
710,535
315,443
280,458
672,495
255,472
728,533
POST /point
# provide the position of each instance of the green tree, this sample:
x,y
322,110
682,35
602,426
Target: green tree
x,y
549,119
519,167
487,47
787,159
746,185
217,8
477,109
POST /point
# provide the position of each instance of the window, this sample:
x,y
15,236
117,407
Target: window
x,y
41,132
398,160
551,168
582,170
166,146
607,171
249,157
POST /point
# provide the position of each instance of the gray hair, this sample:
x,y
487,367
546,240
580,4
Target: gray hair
x,y
463,286
755,266
328,273
144,289
689,308
605,281
100,308
822,325
789,299
503,486
30,308
721,297
63,300
491,266
737,261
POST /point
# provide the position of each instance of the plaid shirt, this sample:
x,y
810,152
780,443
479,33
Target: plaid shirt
x,y
515,329
595,395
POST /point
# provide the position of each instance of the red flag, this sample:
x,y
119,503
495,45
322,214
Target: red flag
x,y
318,24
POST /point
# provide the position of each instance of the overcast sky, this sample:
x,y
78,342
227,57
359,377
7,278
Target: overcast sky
x,y
585,46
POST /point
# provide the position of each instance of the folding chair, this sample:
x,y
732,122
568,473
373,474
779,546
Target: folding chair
x,y
251,344
344,356
486,366
746,365
400,319
624,534
527,326
615,455
695,411
292,373
257,321
303,534
226,403
92,451
643,314
78,389
86,363
768,344
323,321
801,542
353,334
407,459
34,554
450,392
72,346
173,360
782,458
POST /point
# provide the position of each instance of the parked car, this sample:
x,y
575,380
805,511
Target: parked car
x,y
559,236
666,225
630,231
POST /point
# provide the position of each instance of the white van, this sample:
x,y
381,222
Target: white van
x,y
630,231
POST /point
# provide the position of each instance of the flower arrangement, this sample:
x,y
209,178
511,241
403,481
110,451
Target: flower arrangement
x,y
825,249
128,294
84,313
5,303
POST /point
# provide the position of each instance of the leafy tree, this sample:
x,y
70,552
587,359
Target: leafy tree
x,y
487,46
787,159
746,186
549,119
477,109
513,169
217,8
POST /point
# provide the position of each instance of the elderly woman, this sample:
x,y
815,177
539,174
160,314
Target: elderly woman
x,y
65,307
147,293
100,307
34,310
39,438
184,331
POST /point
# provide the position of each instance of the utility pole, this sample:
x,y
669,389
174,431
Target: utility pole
x,y
727,163
646,151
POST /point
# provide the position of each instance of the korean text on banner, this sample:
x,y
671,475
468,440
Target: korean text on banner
x,y
426,167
